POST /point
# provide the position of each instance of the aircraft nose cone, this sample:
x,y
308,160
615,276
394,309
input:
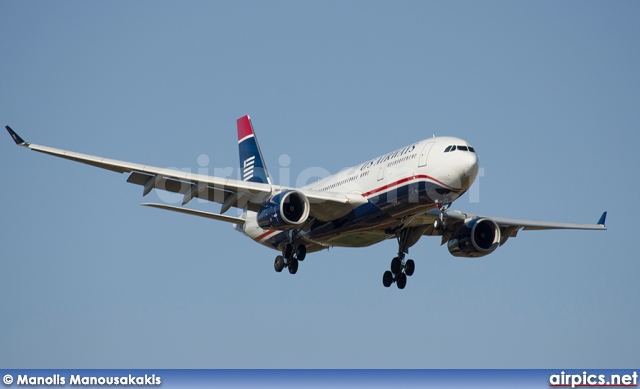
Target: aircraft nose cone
x,y
473,165
469,169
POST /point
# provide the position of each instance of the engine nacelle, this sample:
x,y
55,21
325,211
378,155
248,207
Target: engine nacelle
x,y
475,238
284,211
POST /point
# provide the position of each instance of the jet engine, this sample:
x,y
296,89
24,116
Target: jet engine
x,y
284,211
475,238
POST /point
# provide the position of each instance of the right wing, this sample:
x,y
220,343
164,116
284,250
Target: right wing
x,y
226,191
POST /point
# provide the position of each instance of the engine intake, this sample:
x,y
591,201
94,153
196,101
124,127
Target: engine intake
x,y
475,238
284,211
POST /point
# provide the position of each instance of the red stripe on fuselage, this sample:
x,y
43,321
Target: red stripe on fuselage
x,y
260,237
402,181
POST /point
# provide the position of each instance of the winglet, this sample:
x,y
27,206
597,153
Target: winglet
x,y
602,218
16,137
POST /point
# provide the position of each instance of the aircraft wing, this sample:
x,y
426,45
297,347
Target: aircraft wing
x,y
193,212
226,191
508,227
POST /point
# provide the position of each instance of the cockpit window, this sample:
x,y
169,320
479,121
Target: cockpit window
x,y
459,147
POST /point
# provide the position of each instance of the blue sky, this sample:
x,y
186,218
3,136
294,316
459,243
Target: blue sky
x,y
547,92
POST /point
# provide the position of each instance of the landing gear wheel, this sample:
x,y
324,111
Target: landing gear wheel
x,y
387,279
279,263
301,252
293,266
396,265
437,224
409,267
287,251
401,281
401,268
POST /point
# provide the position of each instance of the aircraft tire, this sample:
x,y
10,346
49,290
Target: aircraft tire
x,y
278,264
402,281
287,251
387,279
396,265
293,266
301,252
409,267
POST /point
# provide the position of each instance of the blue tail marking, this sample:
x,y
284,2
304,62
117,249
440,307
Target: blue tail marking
x,y
252,167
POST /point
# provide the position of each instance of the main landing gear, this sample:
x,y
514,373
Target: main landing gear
x,y
401,269
399,272
290,258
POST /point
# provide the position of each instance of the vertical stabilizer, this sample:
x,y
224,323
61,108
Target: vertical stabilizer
x,y
252,167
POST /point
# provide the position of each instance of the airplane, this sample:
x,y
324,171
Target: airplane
x,y
404,194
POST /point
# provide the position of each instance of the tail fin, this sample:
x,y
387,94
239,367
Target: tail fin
x,y
251,162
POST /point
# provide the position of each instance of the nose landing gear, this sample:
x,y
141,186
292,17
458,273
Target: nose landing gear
x,y
440,223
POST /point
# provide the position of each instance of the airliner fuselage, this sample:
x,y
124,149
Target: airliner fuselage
x,y
397,186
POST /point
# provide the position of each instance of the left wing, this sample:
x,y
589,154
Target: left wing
x,y
508,227
226,191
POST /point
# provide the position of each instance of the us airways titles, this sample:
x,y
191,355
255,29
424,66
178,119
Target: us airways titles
x,y
388,157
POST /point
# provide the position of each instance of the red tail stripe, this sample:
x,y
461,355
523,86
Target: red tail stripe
x,y
244,127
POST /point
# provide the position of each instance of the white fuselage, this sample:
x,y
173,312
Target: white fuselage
x,y
405,182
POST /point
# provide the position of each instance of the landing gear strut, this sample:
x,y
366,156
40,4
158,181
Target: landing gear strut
x,y
290,256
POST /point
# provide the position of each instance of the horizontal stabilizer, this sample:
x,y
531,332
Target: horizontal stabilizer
x,y
209,215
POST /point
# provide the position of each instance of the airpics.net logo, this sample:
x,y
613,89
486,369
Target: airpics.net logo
x,y
594,380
